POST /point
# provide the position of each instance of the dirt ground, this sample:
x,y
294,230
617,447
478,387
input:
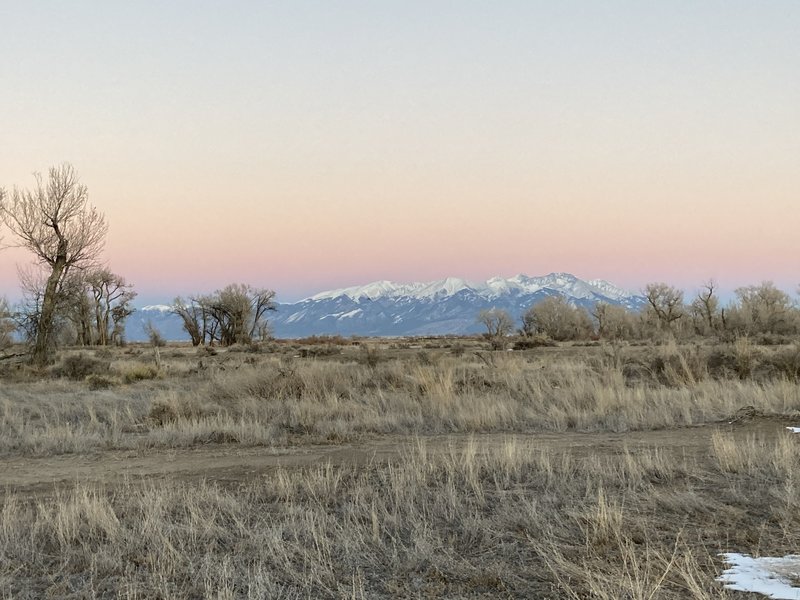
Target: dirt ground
x,y
231,465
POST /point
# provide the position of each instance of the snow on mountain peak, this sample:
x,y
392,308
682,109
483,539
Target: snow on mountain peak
x,y
371,291
564,283
163,308
609,290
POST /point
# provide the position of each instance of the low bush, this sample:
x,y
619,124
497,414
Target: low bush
x,y
99,382
140,372
78,367
782,363
532,341
321,350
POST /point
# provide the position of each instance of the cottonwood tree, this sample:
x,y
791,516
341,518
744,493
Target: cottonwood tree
x,y
7,325
27,313
111,299
498,323
665,303
556,318
763,309
614,322
237,314
705,306
76,306
195,316
91,305
57,224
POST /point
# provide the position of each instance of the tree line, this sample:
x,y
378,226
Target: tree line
x,y
70,297
756,310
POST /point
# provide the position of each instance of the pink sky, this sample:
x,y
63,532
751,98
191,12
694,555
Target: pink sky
x,y
316,148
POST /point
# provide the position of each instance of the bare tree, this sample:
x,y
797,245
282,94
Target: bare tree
x,y
498,323
665,302
7,325
112,297
195,316
556,318
705,305
614,322
63,231
763,309
238,313
76,306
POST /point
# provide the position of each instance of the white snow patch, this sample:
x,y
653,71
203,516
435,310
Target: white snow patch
x,y
794,429
156,307
562,283
296,316
768,575
350,314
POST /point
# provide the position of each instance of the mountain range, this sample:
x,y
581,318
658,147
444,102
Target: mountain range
x,y
385,308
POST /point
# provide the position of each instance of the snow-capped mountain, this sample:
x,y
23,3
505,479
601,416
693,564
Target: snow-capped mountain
x,y
446,306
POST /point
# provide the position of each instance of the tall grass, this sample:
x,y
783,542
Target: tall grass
x,y
278,400
480,521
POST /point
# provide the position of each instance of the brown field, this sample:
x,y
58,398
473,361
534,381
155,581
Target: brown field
x,y
419,468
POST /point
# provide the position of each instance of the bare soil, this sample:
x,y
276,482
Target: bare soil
x,y
232,465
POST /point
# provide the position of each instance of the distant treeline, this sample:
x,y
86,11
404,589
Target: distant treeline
x,y
758,311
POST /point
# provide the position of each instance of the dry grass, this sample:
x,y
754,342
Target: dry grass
x,y
479,520
499,521
256,399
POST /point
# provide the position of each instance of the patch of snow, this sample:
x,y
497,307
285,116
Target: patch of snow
x,y
794,429
447,287
770,576
609,290
563,283
296,316
371,291
156,308
349,314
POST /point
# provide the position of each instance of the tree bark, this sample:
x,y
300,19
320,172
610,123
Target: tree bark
x,y
41,348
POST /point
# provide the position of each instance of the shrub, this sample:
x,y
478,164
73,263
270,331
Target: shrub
x,y
104,353
722,364
457,349
782,363
317,340
314,351
140,372
532,341
154,335
78,367
369,356
675,367
99,382
162,413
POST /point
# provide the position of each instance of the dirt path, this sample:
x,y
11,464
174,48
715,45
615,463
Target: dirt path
x,y
232,465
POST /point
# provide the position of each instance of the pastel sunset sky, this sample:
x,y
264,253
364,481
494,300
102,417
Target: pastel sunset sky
x,y
306,145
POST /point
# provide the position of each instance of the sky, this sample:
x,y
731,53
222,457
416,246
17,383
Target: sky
x,y
304,146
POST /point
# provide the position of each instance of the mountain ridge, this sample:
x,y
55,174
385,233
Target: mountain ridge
x,y
386,308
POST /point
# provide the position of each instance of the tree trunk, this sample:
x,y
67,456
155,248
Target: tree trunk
x,y
41,348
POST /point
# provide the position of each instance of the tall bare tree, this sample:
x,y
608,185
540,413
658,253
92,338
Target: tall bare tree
x,y
764,309
499,324
58,225
705,305
195,315
237,314
665,302
556,318
112,297
7,325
